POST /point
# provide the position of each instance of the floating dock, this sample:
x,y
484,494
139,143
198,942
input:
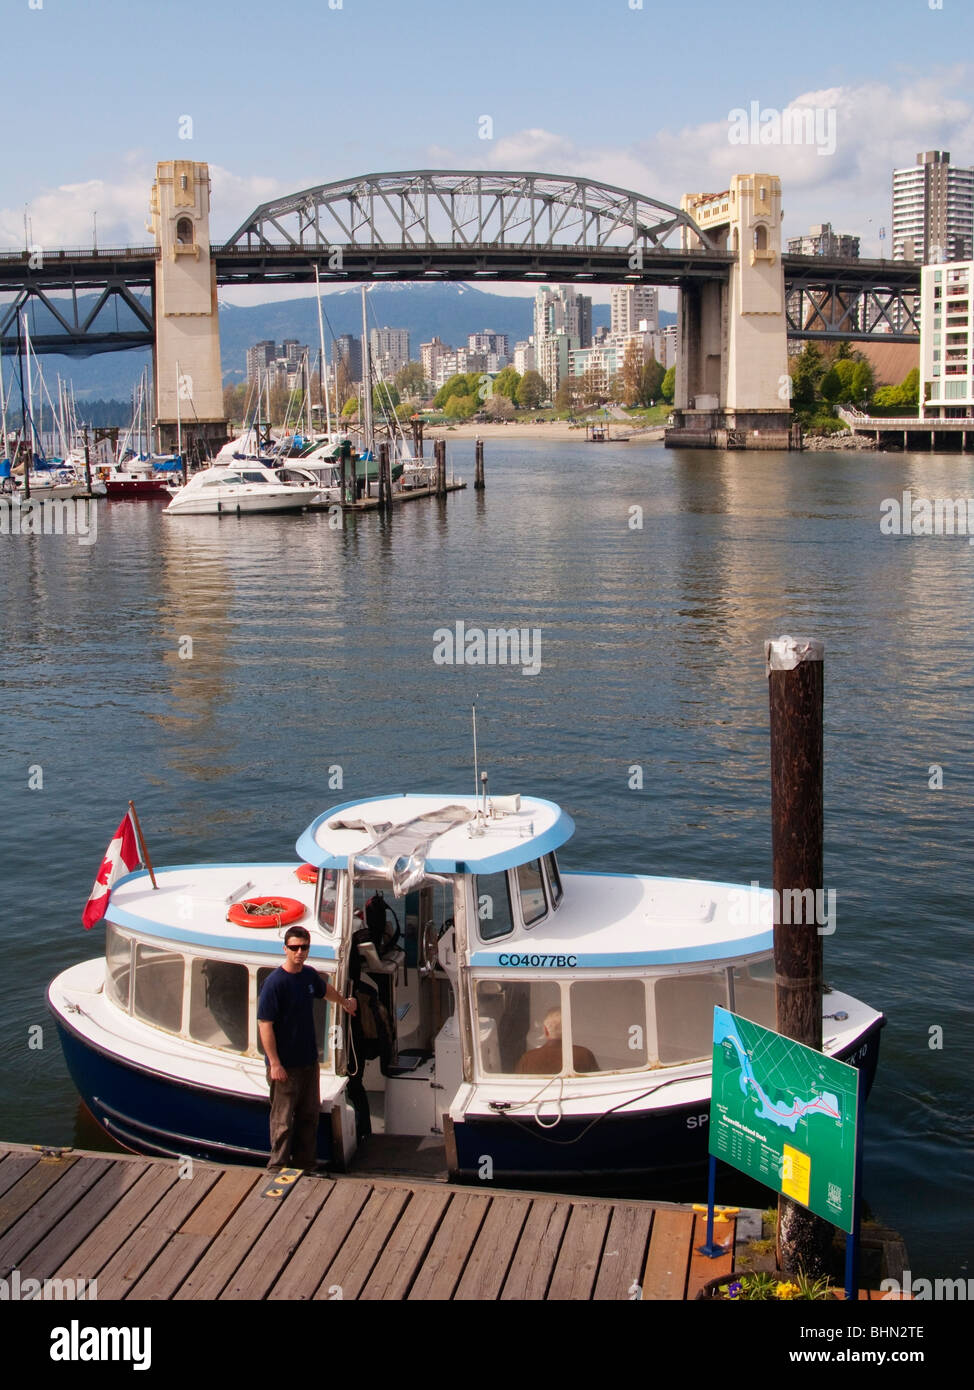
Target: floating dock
x,y
161,1229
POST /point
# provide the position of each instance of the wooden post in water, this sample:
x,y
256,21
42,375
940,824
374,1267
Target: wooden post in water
x,y
87,464
417,438
345,454
385,478
796,690
478,474
441,468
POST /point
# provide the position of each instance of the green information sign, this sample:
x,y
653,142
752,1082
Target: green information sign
x,y
786,1115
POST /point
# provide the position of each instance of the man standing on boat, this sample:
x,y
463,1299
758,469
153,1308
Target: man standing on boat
x,y
285,1018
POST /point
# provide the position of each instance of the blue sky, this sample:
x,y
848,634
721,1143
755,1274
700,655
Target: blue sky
x,y
287,95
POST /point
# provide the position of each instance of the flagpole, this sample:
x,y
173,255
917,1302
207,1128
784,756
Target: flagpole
x,y
145,853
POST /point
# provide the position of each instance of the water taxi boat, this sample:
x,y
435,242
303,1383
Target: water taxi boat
x,y
516,1021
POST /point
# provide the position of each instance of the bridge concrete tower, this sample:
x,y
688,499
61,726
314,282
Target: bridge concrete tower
x,y
732,370
186,359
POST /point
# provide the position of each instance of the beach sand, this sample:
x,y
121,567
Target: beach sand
x,y
555,429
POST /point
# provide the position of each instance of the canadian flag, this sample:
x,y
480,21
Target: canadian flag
x,y
121,857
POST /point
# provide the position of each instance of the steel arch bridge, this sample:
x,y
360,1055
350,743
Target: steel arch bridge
x,y
513,224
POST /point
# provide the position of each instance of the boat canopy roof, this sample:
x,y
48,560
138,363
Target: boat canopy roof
x,y
440,833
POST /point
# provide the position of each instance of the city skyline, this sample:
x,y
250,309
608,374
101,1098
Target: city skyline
x,y
683,120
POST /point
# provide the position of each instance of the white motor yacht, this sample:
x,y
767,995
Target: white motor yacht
x,y
247,487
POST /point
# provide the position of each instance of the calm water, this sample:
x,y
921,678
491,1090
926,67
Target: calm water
x,y
313,651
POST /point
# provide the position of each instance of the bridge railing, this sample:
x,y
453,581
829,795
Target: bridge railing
x,y
83,253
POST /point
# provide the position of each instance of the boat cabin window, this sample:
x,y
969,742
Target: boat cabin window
x,y
494,916
554,880
524,1027
158,994
118,959
609,1016
685,1014
220,482
511,1017
753,992
219,1004
252,478
326,907
530,887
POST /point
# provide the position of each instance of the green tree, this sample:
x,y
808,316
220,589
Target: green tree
x,y
410,379
506,383
651,381
385,397
668,386
531,390
462,407
632,371
350,408
831,386
807,371
862,382
909,389
843,351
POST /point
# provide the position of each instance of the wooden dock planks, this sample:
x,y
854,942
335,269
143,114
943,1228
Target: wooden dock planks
x,y
148,1229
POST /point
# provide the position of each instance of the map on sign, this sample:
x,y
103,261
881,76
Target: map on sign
x,y
786,1115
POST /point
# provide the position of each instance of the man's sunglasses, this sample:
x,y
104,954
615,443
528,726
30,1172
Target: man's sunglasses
x,y
297,945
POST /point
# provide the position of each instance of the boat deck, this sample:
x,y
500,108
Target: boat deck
x,y
144,1232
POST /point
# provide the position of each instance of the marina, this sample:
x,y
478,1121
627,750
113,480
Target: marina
x,y
247,709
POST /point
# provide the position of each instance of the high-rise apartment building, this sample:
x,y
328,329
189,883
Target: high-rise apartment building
x,y
258,358
562,321
490,343
390,350
933,210
633,305
822,241
347,353
947,340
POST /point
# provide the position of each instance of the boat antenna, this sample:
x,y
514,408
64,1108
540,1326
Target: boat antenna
x,y
480,778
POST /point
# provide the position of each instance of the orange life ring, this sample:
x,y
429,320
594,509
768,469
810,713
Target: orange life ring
x,y
266,912
306,873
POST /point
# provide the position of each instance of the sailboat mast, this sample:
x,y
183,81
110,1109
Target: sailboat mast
x,y
366,385
179,426
21,349
321,339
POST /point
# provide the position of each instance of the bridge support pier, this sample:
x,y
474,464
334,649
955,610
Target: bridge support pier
x,y
186,358
732,384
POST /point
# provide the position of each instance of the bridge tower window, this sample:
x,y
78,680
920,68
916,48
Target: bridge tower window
x,y
184,232
760,237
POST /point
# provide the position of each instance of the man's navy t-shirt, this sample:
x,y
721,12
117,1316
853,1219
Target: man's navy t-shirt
x,y
287,1001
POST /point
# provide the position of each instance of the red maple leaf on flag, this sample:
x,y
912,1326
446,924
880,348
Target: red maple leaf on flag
x,y
121,857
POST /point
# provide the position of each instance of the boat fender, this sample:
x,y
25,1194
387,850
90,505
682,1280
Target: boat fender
x,y
266,912
306,873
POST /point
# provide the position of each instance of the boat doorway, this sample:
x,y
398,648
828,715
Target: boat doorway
x,y
403,1029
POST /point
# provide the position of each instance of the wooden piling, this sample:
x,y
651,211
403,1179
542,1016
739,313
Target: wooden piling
x,y
478,478
441,468
796,694
418,438
385,477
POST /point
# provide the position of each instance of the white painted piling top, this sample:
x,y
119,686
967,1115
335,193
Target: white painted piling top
x,y
785,653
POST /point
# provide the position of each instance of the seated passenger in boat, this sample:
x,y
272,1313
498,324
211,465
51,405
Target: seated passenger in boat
x,y
546,1059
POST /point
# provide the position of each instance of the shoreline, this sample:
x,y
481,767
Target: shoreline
x,y
554,429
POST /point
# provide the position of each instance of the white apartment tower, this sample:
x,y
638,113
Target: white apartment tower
x,y
633,305
947,340
933,210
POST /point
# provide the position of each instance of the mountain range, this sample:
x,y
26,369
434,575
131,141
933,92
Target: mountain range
x,y
450,311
